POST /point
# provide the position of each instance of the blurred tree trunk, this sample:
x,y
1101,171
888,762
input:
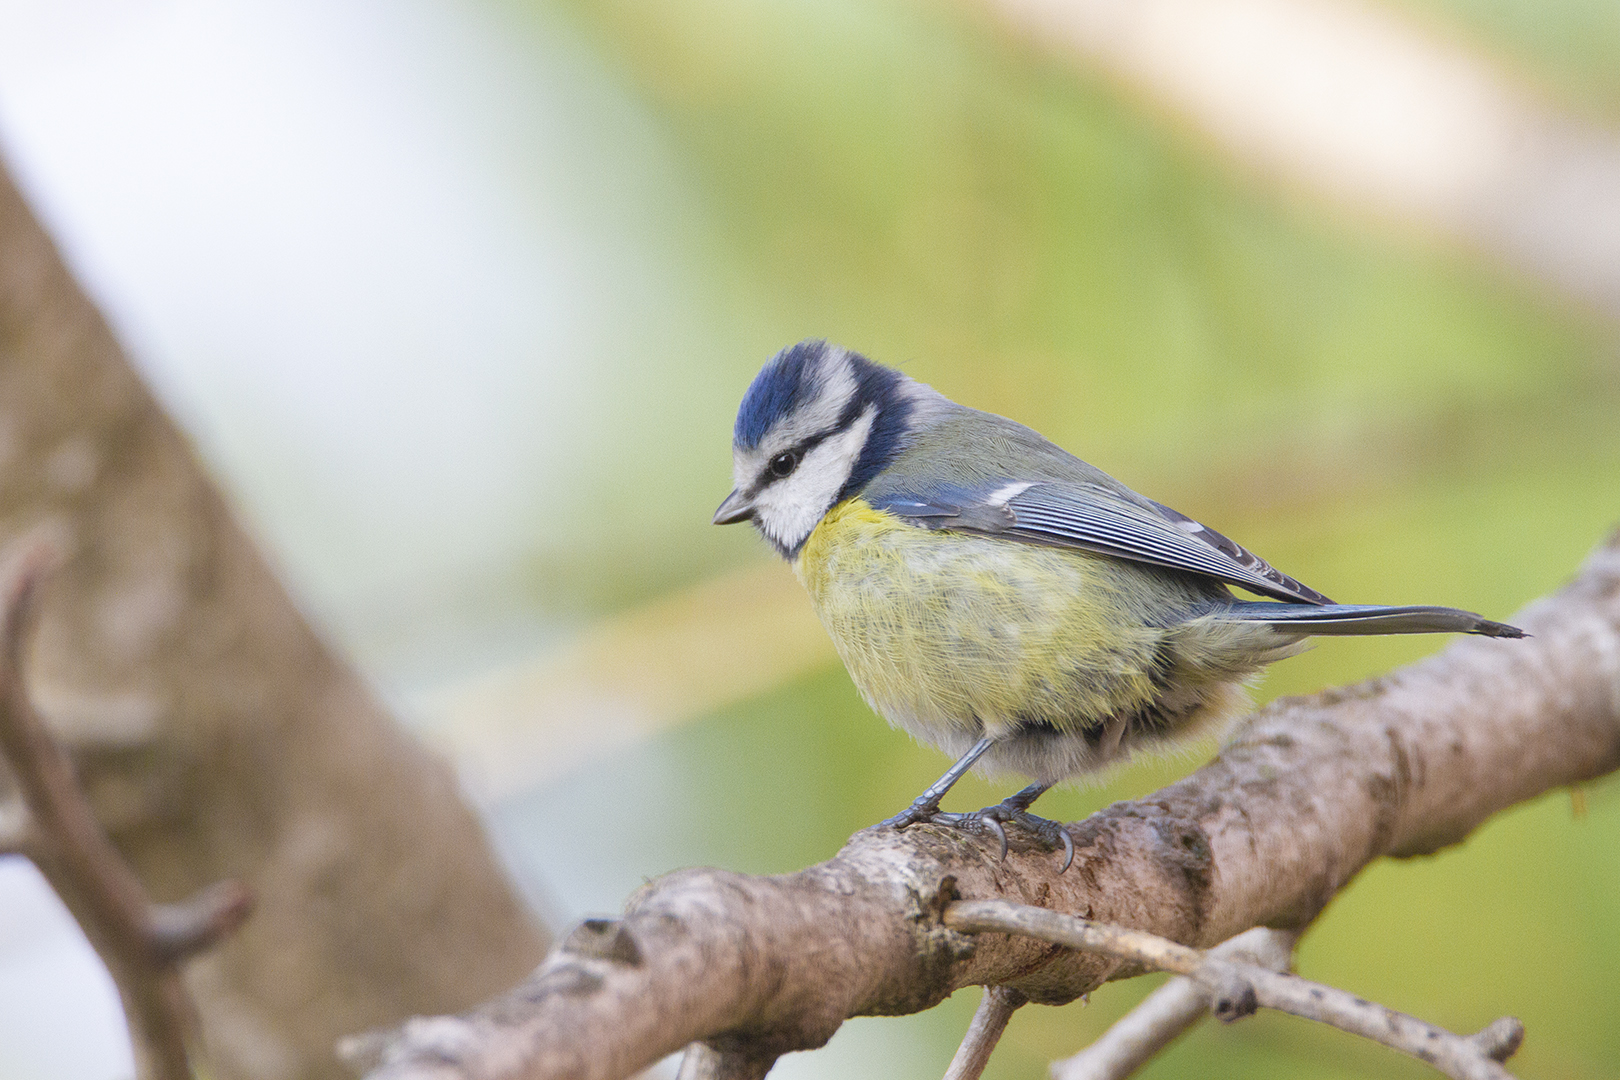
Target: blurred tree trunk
x,y
218,737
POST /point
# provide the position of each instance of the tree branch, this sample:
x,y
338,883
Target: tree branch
x,y
17,835
1237,987
1535,188
701,1062
1137,1036
990,1021
231,741
142,944
1309,791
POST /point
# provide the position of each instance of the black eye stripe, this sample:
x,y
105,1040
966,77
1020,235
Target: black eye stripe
x,y
802,449
768,475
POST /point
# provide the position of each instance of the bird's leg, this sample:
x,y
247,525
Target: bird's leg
x,y
926,806
1020,801
1015,808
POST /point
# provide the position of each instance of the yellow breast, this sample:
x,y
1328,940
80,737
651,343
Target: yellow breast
x,y
951,629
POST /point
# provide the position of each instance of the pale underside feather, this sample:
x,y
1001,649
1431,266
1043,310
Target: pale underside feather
x,y
953,637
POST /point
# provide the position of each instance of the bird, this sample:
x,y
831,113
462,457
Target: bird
x,y
1001,599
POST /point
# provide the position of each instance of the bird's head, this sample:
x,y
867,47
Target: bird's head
x,y
815,426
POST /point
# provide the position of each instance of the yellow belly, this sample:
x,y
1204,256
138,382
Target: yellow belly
x,y
979,634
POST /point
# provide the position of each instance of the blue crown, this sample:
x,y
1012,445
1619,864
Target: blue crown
x,y
780,387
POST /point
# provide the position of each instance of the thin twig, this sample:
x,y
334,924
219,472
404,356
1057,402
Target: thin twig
x,y
1500,1039
1140,1034
17,833
140,943
703,1062
989,1022
1239,987
199,922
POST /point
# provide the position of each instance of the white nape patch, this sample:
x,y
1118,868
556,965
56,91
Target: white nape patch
x,y
926,402
789,510
1007,492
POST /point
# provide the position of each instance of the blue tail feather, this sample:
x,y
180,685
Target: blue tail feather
x,y
1368,619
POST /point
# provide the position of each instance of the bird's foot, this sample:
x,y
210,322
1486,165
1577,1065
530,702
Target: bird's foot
x,y
992,819
1010,812
923,811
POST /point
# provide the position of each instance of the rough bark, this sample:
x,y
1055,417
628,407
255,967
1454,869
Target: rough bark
x,y
216,735
1309,791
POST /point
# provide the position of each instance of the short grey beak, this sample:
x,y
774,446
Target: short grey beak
x,y
736,508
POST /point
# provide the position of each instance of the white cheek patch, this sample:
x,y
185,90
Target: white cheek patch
x,y
788,510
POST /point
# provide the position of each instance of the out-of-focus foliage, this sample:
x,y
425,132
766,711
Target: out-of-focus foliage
x,y
1569,46
1386,419
621,208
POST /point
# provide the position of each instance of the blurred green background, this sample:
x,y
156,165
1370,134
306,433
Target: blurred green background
x,y
1373,410
1383,416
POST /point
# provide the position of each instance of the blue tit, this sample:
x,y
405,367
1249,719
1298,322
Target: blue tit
x,y
998,597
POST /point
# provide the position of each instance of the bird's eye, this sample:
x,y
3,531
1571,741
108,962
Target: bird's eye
x,y
783,463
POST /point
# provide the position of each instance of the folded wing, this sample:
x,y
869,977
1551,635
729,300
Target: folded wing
x,y
1095,518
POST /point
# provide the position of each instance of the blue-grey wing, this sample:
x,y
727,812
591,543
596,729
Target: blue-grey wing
x,y
1095,518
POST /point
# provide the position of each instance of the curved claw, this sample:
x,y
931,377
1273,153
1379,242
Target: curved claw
x,y
1068,850
1001,834
992,818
